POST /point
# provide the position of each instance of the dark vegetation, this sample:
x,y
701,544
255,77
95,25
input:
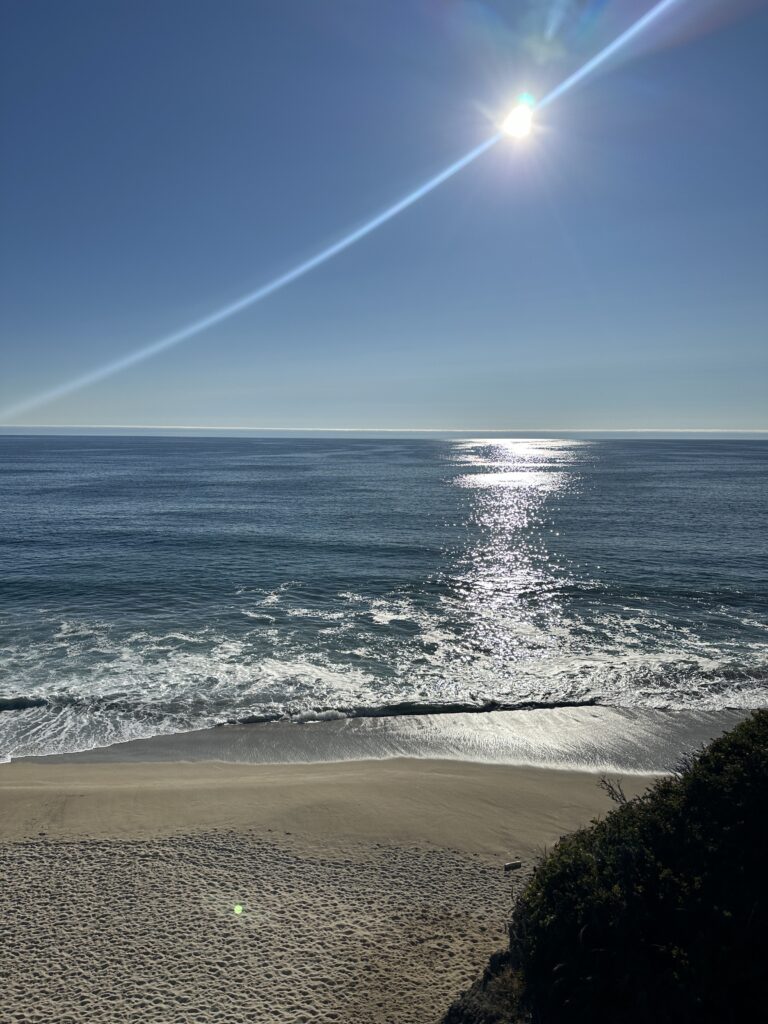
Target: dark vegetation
x,y
658,913
492,997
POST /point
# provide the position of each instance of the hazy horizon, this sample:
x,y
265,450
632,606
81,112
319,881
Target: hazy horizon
x,y
660,433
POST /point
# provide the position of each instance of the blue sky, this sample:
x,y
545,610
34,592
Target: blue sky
x,y
162,159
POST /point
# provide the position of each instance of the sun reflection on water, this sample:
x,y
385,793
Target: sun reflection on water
x,y
511,577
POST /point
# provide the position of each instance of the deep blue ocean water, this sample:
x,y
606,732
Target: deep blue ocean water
x,y
155,584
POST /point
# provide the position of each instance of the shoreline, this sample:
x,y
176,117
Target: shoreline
x,y
592,738
368,890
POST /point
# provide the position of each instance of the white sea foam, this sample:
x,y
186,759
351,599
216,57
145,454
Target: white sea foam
x,y
376,612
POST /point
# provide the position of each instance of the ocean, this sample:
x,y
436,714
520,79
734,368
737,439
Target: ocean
x,y
157,584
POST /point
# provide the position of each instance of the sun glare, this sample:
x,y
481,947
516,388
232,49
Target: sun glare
x,y
519,121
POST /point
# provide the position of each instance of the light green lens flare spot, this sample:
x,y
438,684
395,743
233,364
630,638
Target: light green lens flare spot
x,y
238,908
527,99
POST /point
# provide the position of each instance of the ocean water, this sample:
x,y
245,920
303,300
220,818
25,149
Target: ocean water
x,y
152,585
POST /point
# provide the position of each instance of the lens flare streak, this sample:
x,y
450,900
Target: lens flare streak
x,y
155,348
600,58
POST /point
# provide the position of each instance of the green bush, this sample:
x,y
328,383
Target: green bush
x,y
658,912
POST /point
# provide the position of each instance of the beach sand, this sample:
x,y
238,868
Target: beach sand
x,y
371,891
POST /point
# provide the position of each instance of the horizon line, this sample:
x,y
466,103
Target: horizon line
x,y
391,430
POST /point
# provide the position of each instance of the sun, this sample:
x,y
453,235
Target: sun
x,y
519,121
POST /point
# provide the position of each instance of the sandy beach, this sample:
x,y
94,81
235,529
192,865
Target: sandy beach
x,y
383,498
369,891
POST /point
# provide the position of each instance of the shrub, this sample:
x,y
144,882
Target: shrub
x,y
658,912
488,1001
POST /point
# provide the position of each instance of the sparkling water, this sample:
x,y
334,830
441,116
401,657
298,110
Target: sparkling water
x,y
158,584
